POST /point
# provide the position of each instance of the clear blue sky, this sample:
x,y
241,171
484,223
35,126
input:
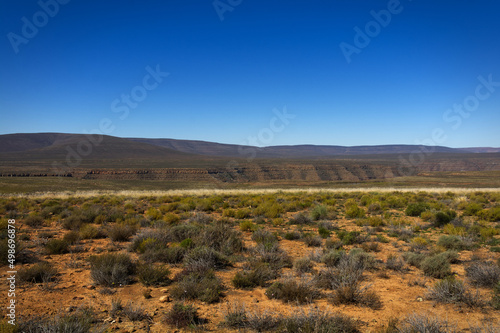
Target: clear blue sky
x,y
226,76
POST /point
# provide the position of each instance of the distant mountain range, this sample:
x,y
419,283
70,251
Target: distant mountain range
x,y
52,145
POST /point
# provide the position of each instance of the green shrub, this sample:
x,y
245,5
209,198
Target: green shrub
x,y
472,209
111,269
494,214
121,232
300,218
206,257
317,321
454,291
416,208
436,266
57,246
292,235
354,212
293,290
442,218
332,258
319,212
39,272
182,315
150,275
302,265
452,243
323,232
88,231
34,221
204,286
259,275
247,226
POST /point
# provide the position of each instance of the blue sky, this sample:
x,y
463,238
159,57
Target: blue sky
x,y
225,77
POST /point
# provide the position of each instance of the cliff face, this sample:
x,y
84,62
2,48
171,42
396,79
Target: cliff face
x,y
319,171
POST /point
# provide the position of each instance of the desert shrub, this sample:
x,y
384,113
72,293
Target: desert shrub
x,y
262,236
349,237
235,316
72,237
302,265
436,266
416,323
366,259
78,322
219,236
442,218
414,259
354,212
153,213
395,263
171,255
484,274
289,289
121,232
452,242
34,221
258,275
57,246
494,214
134,312
149,240
332,244
204,286
416,208
151,275
243,213
301,218
313,241
182,315
180,232
292,235
495,299
454,291
332,258
247,226
208,257
375,207
39,272
187,243
274,255
111,269
345,280
371,247
73,222
323,232
316,321
89,231
319,212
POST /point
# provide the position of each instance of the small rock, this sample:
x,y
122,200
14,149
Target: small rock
x,y
91,287
164,299
420,299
